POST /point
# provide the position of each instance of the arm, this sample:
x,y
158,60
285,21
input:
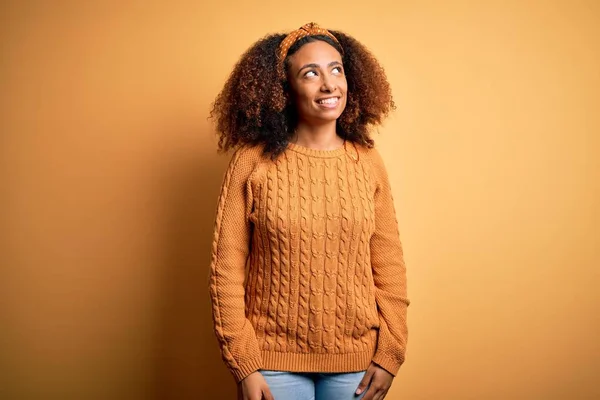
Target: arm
x,y
231,245
389,275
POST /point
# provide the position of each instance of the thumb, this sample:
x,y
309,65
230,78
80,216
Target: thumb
x,y
365,380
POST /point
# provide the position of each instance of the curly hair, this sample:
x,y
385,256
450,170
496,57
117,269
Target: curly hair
x,y
254,106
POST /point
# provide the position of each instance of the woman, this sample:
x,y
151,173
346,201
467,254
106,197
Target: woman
x,y
308,283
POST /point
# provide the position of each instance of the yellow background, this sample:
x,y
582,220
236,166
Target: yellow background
x,y
110,181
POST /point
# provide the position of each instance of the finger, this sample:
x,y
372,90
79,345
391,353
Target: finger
x,y
378,395
385,392
267,394
365,380
258,395
380,380
369,395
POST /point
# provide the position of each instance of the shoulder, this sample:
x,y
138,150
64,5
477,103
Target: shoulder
x,y
245,162
371,156
247,158
247,155
375,165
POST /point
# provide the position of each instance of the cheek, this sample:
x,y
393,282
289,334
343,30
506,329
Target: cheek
x,y
307,94
344,85
298,91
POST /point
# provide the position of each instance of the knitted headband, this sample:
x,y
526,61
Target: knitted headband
x,y
310,29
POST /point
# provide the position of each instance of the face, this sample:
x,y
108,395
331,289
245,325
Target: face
x,y
318,82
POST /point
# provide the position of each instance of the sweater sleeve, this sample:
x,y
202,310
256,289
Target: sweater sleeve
x,y
389,275
230,249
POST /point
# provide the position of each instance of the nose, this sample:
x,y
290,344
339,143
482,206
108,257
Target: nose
x,y
328,84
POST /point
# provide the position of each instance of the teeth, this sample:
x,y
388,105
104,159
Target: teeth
x,y
332,100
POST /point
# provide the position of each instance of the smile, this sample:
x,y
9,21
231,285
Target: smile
x,y
330,100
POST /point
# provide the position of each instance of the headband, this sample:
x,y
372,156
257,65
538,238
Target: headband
x,y
310,29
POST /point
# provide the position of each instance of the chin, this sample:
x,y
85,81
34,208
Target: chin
x,y
328,116
322,118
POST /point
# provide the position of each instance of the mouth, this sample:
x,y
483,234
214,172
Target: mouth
x,y
328,102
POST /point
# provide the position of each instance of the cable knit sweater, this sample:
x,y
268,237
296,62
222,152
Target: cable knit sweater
x,y
307,272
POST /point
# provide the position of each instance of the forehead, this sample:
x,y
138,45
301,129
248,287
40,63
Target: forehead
x,y
317,52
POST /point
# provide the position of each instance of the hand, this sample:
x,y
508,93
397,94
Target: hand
x,y
378,380
254,387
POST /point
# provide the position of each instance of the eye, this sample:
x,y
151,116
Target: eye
x,y
337,70
310,74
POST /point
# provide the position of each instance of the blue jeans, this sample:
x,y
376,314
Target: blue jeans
x,y
313,386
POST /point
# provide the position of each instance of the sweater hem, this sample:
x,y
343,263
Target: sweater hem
x,y
317,362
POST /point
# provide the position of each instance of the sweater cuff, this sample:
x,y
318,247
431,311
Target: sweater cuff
x,y
249,367
386,362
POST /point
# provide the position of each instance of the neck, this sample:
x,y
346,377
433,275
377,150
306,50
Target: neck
x,y
320,137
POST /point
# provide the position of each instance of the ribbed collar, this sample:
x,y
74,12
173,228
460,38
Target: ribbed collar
x,y
315,152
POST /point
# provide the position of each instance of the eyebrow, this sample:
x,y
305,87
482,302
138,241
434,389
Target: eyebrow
x,y
313,65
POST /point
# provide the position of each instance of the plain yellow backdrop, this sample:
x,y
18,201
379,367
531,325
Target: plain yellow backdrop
x,y
110,180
